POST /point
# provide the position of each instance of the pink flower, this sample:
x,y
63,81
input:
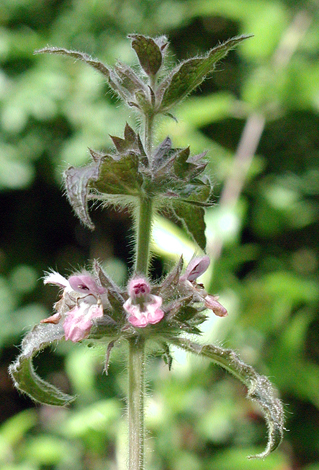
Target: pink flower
x,y
143,307
85,284
195,268
78,322
83,293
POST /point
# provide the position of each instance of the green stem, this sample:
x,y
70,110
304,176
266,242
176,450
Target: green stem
x,y
136,403
136,364
144,233
148,135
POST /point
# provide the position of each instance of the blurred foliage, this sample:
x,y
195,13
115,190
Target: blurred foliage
x,y
51,110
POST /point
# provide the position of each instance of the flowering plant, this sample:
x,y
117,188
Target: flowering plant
x,y
146,179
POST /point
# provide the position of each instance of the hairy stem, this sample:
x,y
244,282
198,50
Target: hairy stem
x,y
148,134
136,364
136,403
143,236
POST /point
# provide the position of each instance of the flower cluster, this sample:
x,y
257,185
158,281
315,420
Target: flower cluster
x,y
85,300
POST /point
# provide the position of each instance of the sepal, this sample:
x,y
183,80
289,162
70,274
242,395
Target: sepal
x,y
259,388
22,371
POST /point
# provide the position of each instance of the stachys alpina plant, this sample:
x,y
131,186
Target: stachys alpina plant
x,y
146,179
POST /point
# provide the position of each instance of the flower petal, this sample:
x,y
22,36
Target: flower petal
x,y
85,284
138,287
79,321
148,313
56,279
195,268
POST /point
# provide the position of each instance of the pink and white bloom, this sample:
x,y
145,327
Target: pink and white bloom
x,y
85,295
143,308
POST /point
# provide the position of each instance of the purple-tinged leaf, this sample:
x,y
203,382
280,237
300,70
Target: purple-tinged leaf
x,y
148,52
189,74
131,141
77,181
23,374
129,80
259,388
161,153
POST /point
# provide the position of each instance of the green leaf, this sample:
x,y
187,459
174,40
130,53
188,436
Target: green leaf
x,y
148,52
119,176
192,218
77,181
120,79
259,387
188,75
23,374
77,55
129,80
131,142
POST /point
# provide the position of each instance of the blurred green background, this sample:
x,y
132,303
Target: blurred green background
x,y
258,117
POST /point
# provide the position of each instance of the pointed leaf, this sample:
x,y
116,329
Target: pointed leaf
x,y
188,167
121,87
162,153
172,279
190,73
259,387
77,181
77,55
131,141
23,374
148,52
192,218
114,293
129,80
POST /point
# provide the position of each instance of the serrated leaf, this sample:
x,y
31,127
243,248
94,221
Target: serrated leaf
x,y
190,74
119,176
23,374
77,181
259,388
192,219
131,141
148,52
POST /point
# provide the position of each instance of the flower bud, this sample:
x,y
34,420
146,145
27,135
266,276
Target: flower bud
x,y
195,268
